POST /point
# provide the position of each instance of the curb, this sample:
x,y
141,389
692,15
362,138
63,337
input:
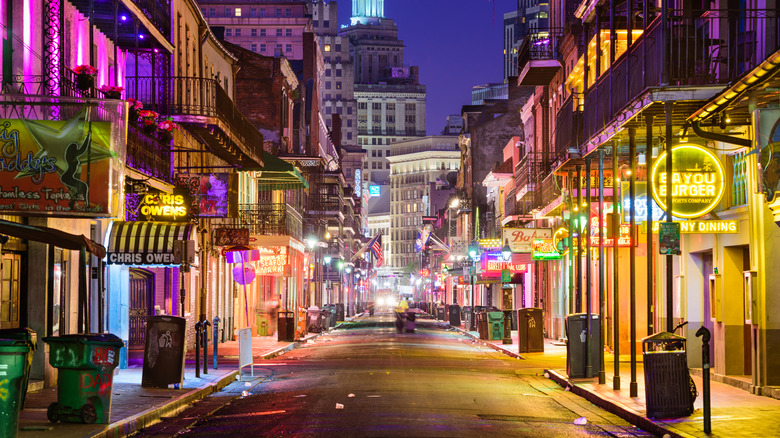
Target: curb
x,y
489,344
146,418
618,409
135,423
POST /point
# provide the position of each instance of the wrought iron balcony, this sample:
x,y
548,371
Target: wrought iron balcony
x,y
202,106
568,136
537,58
715,49
147,154
271,219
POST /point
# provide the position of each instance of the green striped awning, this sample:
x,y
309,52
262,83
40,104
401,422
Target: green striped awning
x,y
277,174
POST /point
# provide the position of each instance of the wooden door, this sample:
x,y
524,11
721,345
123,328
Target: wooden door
x,y
9,291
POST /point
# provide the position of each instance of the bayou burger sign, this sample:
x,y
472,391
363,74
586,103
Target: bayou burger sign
x,y
697,181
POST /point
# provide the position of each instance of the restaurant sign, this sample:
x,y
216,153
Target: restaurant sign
x,y
273,261
544,249
521,239
697,181
161,206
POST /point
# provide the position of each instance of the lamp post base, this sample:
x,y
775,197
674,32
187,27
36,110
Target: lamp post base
x,y
507,328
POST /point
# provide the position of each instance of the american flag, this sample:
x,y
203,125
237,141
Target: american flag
x,y
375,246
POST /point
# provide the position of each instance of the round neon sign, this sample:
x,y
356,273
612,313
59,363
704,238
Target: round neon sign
x,y
697,181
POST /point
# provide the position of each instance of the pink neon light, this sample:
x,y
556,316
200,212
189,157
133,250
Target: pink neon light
x,y
27,67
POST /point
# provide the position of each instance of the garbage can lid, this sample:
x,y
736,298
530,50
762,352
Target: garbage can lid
x,y
14,345
663,337
87,338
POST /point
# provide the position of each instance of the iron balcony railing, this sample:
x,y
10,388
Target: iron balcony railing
x,y
196,97
568,132
539,44
714,48
271,219
147,154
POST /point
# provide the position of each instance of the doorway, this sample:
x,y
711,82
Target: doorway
x,y
141,287
9,290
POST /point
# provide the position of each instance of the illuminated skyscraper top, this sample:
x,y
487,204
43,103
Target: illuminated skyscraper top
x,y
367,11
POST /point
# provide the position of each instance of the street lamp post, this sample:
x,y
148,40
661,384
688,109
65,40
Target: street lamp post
x,y
506,297
327,260
474,255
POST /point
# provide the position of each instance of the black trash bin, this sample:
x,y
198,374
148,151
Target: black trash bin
x,y
286,327
575,345
164,351
669,389
454,315
482,323
29,337
466,316
530,332
340,312
440,314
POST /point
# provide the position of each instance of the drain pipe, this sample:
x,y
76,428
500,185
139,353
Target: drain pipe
x,y
719,137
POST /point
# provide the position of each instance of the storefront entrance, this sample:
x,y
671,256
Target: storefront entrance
x,y
9,291
141,287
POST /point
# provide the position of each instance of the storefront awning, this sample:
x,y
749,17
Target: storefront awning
x,y
52,236
278,174
145,243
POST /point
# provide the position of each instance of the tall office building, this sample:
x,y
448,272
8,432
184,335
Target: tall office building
x,y
530,16
391,103
419,170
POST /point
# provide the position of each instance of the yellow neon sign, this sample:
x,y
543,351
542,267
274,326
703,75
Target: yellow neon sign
x,y
697,181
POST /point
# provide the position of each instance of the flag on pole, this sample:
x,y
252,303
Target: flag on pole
x,y
376,249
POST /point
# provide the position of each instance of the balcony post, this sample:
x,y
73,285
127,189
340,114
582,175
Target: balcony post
x,y
650,255
588,286
615,270
669,258
570,184
633,388
665,36
578,296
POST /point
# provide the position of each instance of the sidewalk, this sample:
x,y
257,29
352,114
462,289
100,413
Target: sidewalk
x,y
735,412
134,407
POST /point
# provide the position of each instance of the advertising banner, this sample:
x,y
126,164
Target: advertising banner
x,y
62,168
212,195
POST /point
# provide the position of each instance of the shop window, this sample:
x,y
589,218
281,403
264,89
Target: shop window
x,y
739,181
9,291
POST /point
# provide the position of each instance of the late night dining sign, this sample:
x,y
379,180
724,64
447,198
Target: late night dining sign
x,y
697,181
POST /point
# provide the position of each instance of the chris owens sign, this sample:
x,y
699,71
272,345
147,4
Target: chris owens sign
x,y
697,181
162,206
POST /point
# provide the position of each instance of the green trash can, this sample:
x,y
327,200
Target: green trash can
x,y
13,360
29,336
495,325
262,320
86,365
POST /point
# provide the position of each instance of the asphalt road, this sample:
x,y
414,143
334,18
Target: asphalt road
x,y
367,380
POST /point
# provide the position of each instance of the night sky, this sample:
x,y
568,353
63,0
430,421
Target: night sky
x,y
456,43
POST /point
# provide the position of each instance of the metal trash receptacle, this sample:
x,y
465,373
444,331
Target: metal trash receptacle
x,y
669,389
482,324
13,361
530,330
576,344
85,363
454,315
29,336
339,312
314,319
164,351
495,325
286,329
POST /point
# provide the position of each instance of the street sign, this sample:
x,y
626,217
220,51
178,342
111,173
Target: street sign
x,y
669,238
506,275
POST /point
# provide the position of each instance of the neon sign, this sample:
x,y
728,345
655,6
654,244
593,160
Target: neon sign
x,y
697,181
493,263
544,249
165,206
624,235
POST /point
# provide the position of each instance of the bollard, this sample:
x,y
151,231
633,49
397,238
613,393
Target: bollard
x,y
216,333
205,337
198,328
705,366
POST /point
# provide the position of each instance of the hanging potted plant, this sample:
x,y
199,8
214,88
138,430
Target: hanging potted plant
x,y
111,91
135,107
165,130
85,77
149,120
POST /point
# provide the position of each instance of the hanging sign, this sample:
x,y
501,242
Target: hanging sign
x,y
544,249
273,260
230,236
669,238
624,236
766,124
521,239
493,264
160,206
697,181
